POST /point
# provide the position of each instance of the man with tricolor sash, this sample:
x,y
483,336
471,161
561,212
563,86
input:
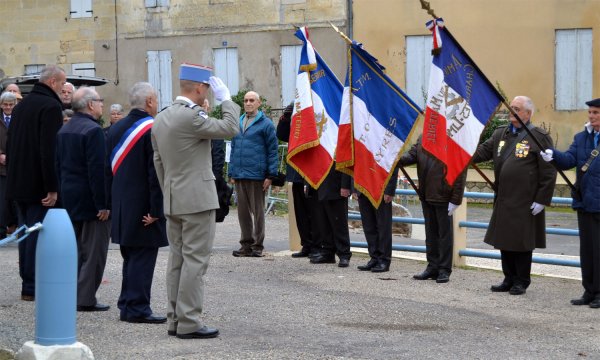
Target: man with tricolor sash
x,y
138,222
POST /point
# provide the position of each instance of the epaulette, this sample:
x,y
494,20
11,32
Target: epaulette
x,y
203,113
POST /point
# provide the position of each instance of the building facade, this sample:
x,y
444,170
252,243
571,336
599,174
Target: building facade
x,y
545,49
250,44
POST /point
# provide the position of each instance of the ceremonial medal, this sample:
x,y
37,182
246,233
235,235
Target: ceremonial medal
x,y
522,149
500,145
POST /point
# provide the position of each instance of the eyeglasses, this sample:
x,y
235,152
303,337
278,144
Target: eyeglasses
x,y
99,100
249,100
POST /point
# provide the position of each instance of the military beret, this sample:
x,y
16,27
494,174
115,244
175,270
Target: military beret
x,y
594,103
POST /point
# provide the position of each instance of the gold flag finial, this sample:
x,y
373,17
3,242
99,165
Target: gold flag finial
x,y
426,6
348,40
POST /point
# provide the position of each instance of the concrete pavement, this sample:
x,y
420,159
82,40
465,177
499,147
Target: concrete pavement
x,y
277,307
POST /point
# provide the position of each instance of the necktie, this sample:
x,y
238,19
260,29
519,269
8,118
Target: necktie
x,y
7,120
596,136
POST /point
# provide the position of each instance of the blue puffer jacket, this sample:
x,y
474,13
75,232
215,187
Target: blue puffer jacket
x,y
589,182
254,151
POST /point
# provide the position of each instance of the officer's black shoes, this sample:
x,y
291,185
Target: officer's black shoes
x,y
584,300
381,267
426,275
323,259
517,289
595,304
502,287
344,262
368,266
443,277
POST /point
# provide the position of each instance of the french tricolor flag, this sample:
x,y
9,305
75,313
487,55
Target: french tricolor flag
x,y
460,101
377,119
314,127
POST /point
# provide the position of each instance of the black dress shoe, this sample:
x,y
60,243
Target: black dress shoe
x,y
517,289
595,304
241,253
97,307
368,266
426,275
256,253
344,262
380,267
172,332
150,319
202,333
323,259
443,277
584,300
27,297
502,287
300,254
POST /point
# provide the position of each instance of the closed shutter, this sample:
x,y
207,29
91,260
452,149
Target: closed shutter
x,y
573,68
81,8
159,75
418,66
226,68
290,62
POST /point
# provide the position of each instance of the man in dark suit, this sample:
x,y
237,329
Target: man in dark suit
x,y
302,203
331,219
80,154
377,226
31,175
138,222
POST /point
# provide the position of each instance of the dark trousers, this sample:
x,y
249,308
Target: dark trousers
x,y
136,285
92,248
377,226
29,214
589,251
516,266
251,213
332,221
439,239
302,208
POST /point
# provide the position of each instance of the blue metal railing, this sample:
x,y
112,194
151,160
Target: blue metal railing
x,y
477,225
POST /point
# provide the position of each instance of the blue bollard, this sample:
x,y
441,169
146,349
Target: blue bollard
x,y
56,281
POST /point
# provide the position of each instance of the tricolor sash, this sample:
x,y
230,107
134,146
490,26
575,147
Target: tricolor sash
x,y
128,141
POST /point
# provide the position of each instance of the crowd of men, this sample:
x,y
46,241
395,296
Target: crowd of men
x,y
149,180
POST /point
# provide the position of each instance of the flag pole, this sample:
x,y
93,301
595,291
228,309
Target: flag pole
x,y
426,6
349,41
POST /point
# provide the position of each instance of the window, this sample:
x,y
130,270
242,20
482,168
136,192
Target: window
x,y
159,75
84,69
418,65
81,8
33,69
156,3
290,61
226,68
573,68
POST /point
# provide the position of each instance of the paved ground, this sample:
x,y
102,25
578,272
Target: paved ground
x,y
277,307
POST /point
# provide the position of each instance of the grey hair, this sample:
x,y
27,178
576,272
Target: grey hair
x,y
116,107
138,94
7,97
527,102
69,84
82,97
49,72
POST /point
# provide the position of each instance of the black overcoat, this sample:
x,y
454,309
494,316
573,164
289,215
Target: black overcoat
x,y
135,190
521,178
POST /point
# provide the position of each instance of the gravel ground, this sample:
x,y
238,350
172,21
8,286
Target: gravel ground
x,y
277,307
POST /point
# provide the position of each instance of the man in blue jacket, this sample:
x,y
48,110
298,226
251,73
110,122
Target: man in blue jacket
x,y
80,153
253,163
586,200
138,222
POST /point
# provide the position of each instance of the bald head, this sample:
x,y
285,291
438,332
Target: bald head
x,y
251,103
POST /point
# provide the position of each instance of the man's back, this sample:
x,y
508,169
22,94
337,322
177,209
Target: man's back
x,y
31,145
80,155
181,141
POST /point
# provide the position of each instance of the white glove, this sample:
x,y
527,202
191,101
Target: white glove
x,y
536,208
219,89
451,208
547,155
